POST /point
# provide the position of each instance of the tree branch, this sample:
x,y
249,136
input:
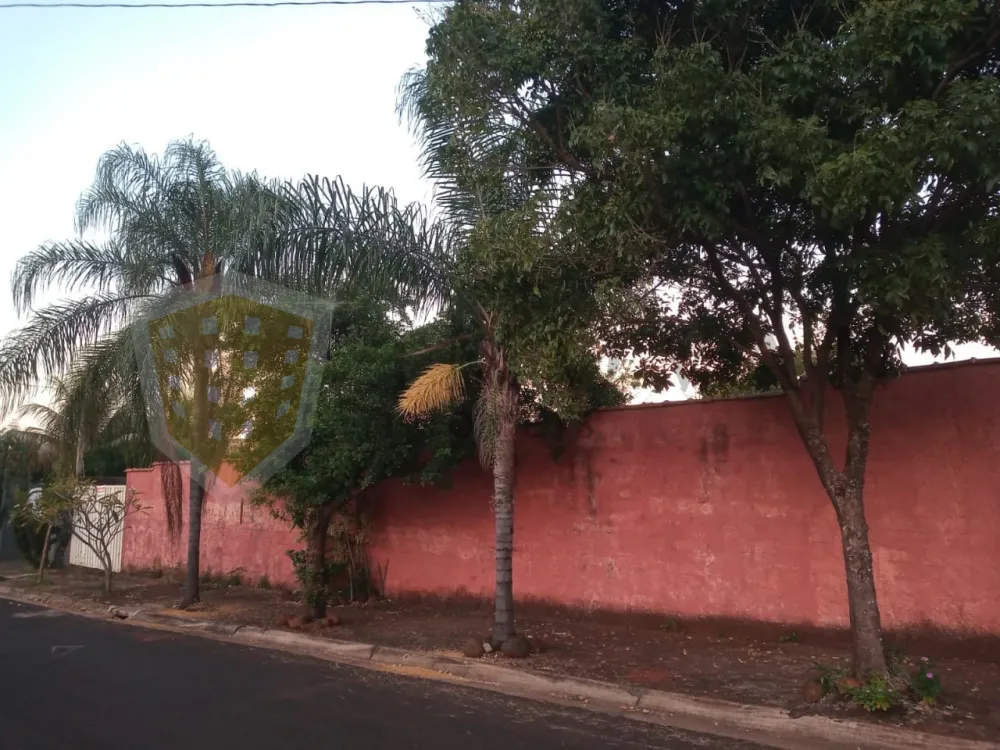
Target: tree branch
x,y
750,319
959,66
519,111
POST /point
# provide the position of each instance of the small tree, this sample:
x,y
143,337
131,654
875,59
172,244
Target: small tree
x,y
97,517
509,389
43,511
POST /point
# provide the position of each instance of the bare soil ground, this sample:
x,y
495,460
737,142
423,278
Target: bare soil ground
x,y
738,661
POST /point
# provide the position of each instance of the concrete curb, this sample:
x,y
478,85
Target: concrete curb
x,y
761,724
52,601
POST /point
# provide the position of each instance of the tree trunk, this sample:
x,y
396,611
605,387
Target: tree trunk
x,y
846,491
866,622
848,500
317,586
503,510
78,463
192,580
45,553
107,579
199,422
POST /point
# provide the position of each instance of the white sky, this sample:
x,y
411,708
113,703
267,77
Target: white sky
x,y
284,91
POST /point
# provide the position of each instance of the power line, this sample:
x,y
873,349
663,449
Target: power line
x,y
276,4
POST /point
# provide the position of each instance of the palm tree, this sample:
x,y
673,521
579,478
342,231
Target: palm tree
x,y
483,207
496,410
91,406
161,224
164,219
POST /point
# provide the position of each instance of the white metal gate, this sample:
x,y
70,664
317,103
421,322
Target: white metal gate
x,y
80,554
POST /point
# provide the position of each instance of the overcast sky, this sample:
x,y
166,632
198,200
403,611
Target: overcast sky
x,y
284,91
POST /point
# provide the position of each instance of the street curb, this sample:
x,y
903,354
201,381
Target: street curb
x,y
761,724
53,601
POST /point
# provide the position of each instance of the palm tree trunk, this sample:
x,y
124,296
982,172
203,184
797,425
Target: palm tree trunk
x,y
199,421
192,580
78,464
503,511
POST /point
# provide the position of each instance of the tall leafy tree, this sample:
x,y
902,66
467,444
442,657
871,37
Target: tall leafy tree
x,y
738,178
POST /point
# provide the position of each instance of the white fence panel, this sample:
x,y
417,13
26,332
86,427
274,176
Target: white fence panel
x,y
80,554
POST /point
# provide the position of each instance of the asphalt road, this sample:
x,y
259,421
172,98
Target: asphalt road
x,y
70,683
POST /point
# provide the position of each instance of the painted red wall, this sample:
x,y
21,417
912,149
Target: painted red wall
x,y
701,509
235,533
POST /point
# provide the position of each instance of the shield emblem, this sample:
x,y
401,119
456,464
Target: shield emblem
x,y
231,369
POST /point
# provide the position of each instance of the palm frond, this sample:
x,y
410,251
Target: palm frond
x,y
480,164
161,216
24,451
79,264
438,387
99,402
49,342
49,420
364,242
125,184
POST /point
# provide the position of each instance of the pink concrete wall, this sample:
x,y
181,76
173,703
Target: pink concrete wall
x,y
234,534
706,509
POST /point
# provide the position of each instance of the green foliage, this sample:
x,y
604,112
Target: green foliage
x,y
314,583
876,694
29,538
161,221
235,577
359,440
24,461
74,506
829,677
755,170
708,185
925,682
263,583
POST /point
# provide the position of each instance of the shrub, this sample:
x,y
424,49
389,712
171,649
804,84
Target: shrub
x,y
925,683
29,538
829,677
877,694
